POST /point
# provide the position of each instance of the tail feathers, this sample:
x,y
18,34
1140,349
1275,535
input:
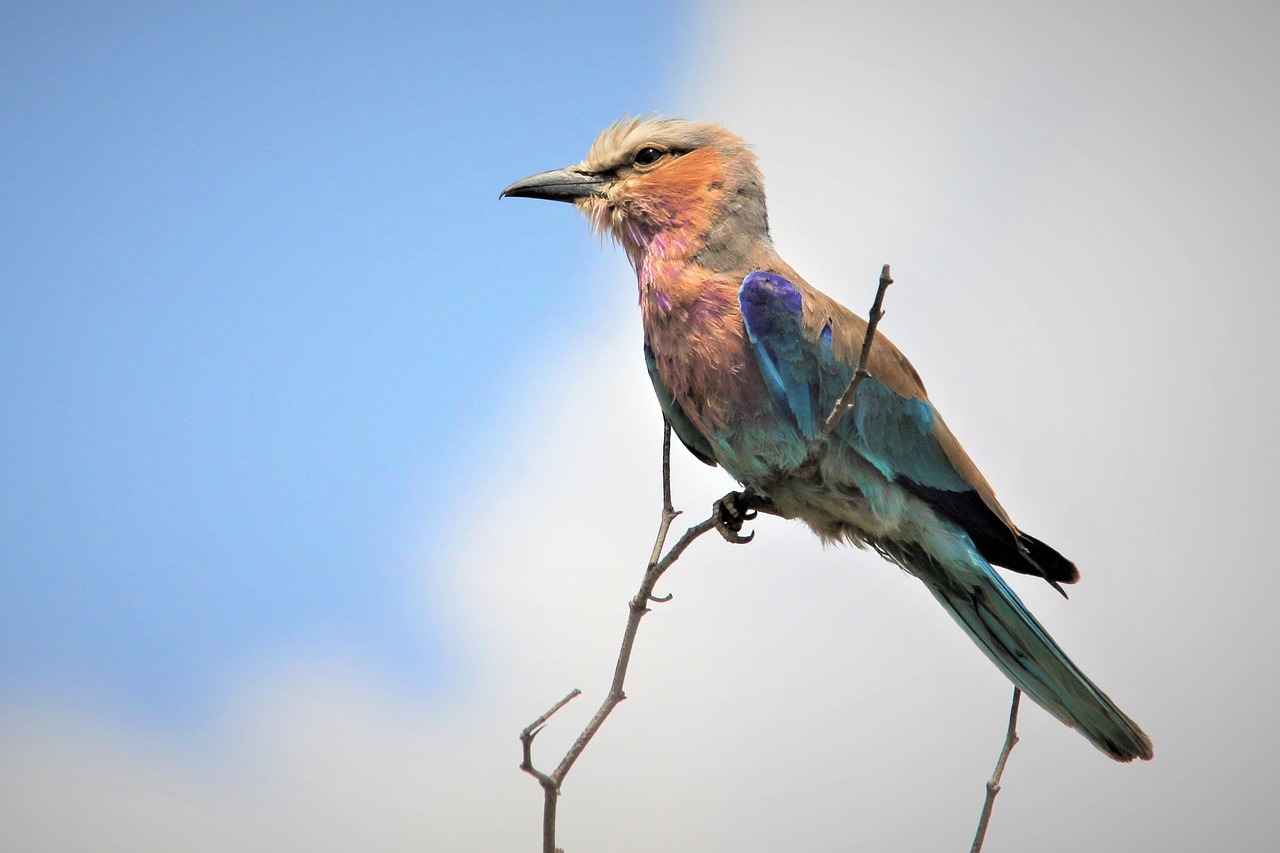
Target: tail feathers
x,y
1010,636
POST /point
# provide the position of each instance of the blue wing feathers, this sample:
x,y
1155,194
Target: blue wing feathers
x,y
896,434
773,311
893,433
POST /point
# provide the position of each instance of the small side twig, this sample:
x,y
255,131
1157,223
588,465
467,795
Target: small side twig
x,y
993,784
845,403
531,731
550,786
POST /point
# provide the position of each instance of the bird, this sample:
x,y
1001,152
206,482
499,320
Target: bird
x,y
748,360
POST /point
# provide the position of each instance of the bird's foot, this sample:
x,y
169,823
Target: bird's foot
x,y
732,511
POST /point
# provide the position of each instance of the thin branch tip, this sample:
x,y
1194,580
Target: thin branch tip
x,y
531,731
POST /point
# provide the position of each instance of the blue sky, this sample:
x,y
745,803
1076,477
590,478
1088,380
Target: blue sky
x,y
258,320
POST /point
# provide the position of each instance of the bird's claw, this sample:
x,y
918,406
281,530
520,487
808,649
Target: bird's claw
x,y
732,511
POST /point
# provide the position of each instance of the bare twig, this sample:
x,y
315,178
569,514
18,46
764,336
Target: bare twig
x,y
845,403
668,512
638,607
993,784
531,731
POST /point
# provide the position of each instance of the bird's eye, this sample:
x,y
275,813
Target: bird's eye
x,y
648,156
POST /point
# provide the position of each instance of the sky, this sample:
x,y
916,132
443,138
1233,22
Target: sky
x,y
311,496
254,323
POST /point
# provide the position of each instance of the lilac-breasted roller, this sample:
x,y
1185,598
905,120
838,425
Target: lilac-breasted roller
x,y
748,359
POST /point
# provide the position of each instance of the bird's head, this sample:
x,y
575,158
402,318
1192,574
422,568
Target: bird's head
x,y
647,177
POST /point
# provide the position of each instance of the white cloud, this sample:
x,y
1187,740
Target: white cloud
x,y
1077,207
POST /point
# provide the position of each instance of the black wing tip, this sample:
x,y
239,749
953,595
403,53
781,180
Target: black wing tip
x,y
1056,568
993,537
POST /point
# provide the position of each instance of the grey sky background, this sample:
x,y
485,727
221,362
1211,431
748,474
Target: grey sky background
x,y
1078,202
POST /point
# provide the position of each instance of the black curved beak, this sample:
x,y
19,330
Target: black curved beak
x,y
568,184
